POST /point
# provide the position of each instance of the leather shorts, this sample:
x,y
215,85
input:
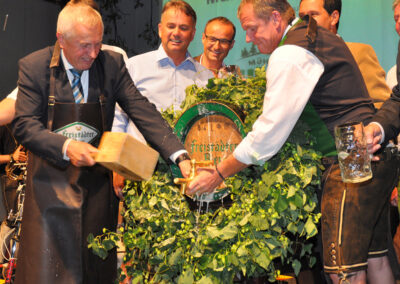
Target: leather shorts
x,y
354,219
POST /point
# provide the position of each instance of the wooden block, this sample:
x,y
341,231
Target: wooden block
x,y
122,153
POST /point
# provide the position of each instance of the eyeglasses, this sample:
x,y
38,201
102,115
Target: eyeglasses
x,y
222,41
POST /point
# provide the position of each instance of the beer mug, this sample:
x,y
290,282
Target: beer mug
x,y
354,159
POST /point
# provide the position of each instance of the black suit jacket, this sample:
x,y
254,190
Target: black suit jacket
x,y
30,120
389,114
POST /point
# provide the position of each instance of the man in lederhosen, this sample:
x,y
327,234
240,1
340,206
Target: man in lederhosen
x,y
69,91
313,76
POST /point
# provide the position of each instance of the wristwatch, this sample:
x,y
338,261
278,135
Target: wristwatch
x,y
182,157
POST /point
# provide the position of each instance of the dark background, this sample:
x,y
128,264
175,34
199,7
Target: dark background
x,y
31,25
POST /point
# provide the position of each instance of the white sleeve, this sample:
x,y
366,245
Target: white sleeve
x,y
292,75
391,77
13,94
120,122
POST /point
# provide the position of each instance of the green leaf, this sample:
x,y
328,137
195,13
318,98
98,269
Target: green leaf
x,y
100,252
263,192
175,257
259,223
213,232
205,280
164,204
229,231
263,260
237,184
245,220
186,277
310,228
292,191
138,279
108,244
272,243
242,251
165,242
90,238
308,174
298,200
281,204
233,259
312,261
292,227
153,201
226,233
296,266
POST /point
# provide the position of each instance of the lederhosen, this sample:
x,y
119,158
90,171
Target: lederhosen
x,y
62,206
354,216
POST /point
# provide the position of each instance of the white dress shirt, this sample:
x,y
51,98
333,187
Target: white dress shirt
x,y
162,82
292,75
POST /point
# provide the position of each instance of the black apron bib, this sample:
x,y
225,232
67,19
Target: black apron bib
x,y
62,206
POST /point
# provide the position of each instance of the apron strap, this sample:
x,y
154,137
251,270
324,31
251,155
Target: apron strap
x,y
102,100
54,63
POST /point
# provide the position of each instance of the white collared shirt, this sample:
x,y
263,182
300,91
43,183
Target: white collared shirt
x,y
84,76
157,77
292,74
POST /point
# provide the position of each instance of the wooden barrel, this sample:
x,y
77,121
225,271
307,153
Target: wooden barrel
x,y
210,131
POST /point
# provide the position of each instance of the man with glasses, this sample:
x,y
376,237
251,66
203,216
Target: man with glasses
x,y
218,39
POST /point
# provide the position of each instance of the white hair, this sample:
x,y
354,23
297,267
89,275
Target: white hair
x,y
73,14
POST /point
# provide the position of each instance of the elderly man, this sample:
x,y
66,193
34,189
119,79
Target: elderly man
x,y
7,105
311,66
327,14
70,90
218,39
162,75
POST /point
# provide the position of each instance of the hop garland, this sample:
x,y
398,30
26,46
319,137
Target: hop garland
x,y
265,231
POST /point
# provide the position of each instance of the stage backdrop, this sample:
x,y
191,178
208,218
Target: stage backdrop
x,y
367,21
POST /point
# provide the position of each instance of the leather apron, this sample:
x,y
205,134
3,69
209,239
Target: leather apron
x,y
62,206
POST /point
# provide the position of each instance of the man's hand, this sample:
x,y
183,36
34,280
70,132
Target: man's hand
x,y
373,136
185,168
118,184
206,181
19,156
80,153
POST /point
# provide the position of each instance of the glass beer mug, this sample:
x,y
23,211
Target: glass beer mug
x,y
354,159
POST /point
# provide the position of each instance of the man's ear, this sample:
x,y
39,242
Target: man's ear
x,y
159,29
232,44
335,16
60,39
203,39
193,34
276,17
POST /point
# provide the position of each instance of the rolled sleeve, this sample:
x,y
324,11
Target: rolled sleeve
x,y
292,75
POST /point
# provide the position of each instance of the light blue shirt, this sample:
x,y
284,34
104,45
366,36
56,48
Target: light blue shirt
x,y
157,78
